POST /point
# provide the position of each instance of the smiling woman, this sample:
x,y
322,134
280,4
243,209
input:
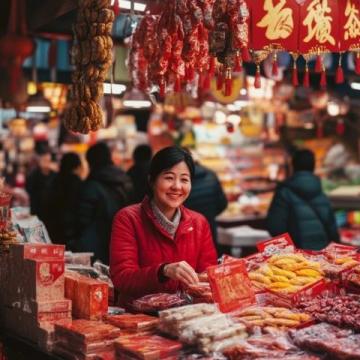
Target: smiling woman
x,y
159,245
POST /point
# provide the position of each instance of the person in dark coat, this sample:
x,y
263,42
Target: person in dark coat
x,y
139,171
301,208
106,190
38,182
207,196
62,199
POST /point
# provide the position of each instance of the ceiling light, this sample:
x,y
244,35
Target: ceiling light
x,y
137,104
38,109
136,99
355,85
126,4
115,89
38,103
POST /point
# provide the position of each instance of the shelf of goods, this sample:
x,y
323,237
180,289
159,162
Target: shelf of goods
x,y
248,175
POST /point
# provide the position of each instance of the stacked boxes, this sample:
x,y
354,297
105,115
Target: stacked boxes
x,y
89,296
32,291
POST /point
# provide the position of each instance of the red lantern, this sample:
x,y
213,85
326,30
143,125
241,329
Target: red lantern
x,y
15,46
319,26
275,25
349,19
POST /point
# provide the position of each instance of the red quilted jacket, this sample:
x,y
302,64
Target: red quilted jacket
x,y
139,245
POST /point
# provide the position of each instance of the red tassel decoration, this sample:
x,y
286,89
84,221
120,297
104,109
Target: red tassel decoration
x,y
177,85
306,80
245,55
339,76
116,8
212,66
219,79
190,73
323,79
162,89
238,63
357,63
201,80
257,82
275,67
228,82
340,127
319,64
206,82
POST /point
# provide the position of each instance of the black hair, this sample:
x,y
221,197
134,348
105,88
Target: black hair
x,y
69,162
303,160
98,156
142,154
165,159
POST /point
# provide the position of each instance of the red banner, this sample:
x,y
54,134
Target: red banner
x,y
319,26
275,24
349,16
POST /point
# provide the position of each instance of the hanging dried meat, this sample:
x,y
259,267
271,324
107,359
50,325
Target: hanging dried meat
x,y
92,57
172,48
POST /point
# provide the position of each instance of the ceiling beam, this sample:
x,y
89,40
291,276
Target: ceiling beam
x,y
41,13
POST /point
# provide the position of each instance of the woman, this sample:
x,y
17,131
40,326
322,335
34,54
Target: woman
x,y
159,245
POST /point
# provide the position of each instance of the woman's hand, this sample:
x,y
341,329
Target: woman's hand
x,y
181,271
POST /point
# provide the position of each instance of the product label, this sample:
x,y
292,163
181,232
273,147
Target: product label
x,y
231,286
279,244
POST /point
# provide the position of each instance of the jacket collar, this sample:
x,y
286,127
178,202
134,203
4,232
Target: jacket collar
x,y
185,224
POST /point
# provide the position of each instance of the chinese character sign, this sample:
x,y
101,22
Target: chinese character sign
x,y
349,24
275,24
319,26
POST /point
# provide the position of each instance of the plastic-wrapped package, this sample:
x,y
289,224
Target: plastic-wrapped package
x,y
205,327
341,310
266,346
157,302
187,312
200,292
173,321
278,317
337,343
146,347
133,322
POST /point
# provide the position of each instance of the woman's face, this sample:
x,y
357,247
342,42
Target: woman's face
x,y
172,187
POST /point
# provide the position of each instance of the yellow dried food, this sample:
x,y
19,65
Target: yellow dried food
x,y
282,322
279,285
301,280
252,311
265,270
290,289
289,315
253,275
289,257
278,271
309,272
251,318
280,278
340,261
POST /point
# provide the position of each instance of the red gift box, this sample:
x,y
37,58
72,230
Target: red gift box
x,y
43,279
89,296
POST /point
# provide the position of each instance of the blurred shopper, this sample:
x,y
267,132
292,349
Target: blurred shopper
x,y
300,207
62,200
207,196
38,182
159,245
106,190
139,171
